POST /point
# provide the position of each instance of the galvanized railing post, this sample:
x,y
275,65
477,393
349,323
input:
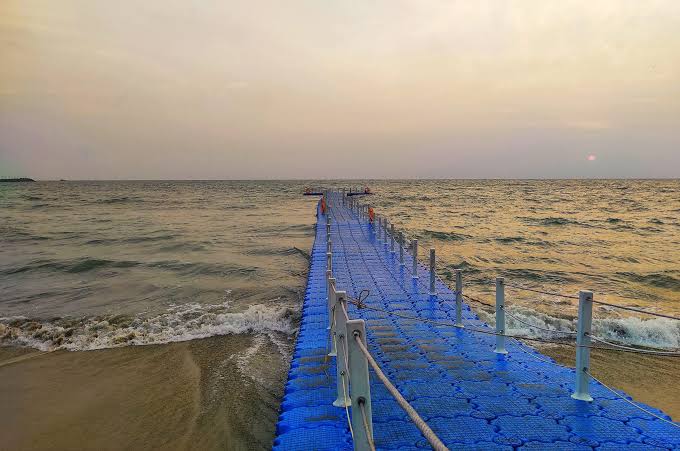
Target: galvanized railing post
x,y
392,238
328,226
459,297
585,321
379,234
414,250
401,249
385,231
332,295
329,261
433,291
340,338
500,316
329,297
360,388
329,246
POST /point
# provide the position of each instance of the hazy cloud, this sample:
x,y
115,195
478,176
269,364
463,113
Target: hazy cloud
x,y
388,88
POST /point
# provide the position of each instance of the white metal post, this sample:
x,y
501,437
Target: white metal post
x,y
401,249
414,249
500,316
392,238
359,385
340,337
459,297
585,321
332,295
432,269
329,297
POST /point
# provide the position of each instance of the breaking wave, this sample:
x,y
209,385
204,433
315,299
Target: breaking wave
x,y
180,323
653,333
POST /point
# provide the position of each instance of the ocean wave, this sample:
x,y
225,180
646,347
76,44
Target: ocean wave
x,y
180,323
657,280
445,236
82,265
117,200
633,331
509,239
130,240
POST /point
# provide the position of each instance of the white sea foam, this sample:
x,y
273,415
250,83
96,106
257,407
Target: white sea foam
x,y
654,332
180,323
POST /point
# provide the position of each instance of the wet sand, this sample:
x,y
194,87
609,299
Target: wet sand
x,y
651,380
191,395
188,395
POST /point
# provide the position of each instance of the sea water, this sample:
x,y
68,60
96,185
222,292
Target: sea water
x,y
100,265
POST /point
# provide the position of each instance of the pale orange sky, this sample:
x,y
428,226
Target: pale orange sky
x,y
309,89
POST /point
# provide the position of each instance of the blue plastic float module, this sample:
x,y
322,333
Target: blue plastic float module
x,y
471,397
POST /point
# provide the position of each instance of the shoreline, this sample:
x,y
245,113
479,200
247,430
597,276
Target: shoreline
x,y
170,396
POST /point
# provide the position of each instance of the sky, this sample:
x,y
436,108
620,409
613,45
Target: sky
x,y
271,89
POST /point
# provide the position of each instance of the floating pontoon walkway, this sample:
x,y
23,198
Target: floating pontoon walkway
x,y
471,397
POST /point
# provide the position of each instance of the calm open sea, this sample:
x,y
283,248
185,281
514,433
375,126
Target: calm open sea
x,y
101,265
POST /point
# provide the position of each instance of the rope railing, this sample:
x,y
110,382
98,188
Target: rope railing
x,y
367,428
619,347
634,350
491,332
637,310
547,293
608,304
386,236
534,326
345,369
410,411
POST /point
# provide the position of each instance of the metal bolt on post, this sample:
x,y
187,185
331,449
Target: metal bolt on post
x,y
585,321
414,249
340,360
432,269
360,385
500,316
459,297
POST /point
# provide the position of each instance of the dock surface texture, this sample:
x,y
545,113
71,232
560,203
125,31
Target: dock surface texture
x,y
473,398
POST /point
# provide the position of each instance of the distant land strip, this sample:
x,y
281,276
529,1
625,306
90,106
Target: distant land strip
x,y
17,179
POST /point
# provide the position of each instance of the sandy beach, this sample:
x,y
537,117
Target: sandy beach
x,y
140,397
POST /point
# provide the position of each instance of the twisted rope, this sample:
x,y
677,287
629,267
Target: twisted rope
x,y
369,436
635,350
559,295
521,337
428,433
632,309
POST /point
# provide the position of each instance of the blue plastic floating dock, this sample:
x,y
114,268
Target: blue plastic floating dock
x,y
471,397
